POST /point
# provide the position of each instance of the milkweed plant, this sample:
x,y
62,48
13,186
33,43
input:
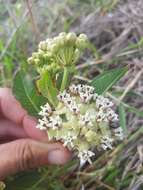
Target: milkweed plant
x,y
72,113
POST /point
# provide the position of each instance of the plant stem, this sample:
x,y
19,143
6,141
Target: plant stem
x,y
65,79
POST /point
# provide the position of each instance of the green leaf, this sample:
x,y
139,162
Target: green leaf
x,y
47,89
122,117
106,80
25,92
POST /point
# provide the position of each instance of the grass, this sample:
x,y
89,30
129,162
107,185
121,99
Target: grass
x,y
23,25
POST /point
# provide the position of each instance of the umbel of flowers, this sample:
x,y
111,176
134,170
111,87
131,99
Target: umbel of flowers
x,y
74,114
55,62
59,52
82,121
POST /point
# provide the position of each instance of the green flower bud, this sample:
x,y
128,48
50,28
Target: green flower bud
x,y
91,136
63,49
71,37
48,55
54,47
30,60
82,41
35,55
40,54
56,40
61,41
83,37
62,34
37,61
76,55
53,65
43,46
48,67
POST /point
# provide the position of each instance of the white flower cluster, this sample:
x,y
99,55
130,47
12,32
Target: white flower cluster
x,y
48,121
81,121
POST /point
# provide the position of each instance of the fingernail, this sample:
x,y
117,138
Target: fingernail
x,y
56,157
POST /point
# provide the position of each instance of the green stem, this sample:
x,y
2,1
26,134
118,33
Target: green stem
x,y
65,79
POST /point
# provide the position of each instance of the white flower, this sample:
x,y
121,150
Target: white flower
x,y
63,96
74,108
73,89
119,133
55,122
99,101
88,89
103,103
107,103
95,96
41,125
85,156
49,122
106,142
68,139
112,116
69,101
86,120
85,97
101,116
45,110
115,117
80,88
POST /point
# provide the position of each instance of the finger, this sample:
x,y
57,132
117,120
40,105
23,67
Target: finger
x,y
12,110
10,131
10,107
25,154
29,125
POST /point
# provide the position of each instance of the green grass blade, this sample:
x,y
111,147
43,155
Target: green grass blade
x,y
122,118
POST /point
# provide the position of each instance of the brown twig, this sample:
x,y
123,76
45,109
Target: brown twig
x,y
131,85
34,25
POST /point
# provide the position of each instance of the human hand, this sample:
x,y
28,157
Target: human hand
x,y
22,146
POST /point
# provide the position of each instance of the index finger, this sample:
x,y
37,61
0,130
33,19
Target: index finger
x,y
12,110
10,107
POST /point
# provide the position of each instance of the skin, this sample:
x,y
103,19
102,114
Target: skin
x,y
22,146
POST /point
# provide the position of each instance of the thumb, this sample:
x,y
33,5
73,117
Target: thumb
x,y
25,154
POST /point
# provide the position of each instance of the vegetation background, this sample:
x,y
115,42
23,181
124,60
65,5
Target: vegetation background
x,y
115,29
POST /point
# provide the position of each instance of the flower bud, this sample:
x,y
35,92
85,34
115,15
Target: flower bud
x,y
91,136
37,61
30,60
76,55
62,34
61,41
82,41
71,37
35,55
43,46
40,54
47,55
54,48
